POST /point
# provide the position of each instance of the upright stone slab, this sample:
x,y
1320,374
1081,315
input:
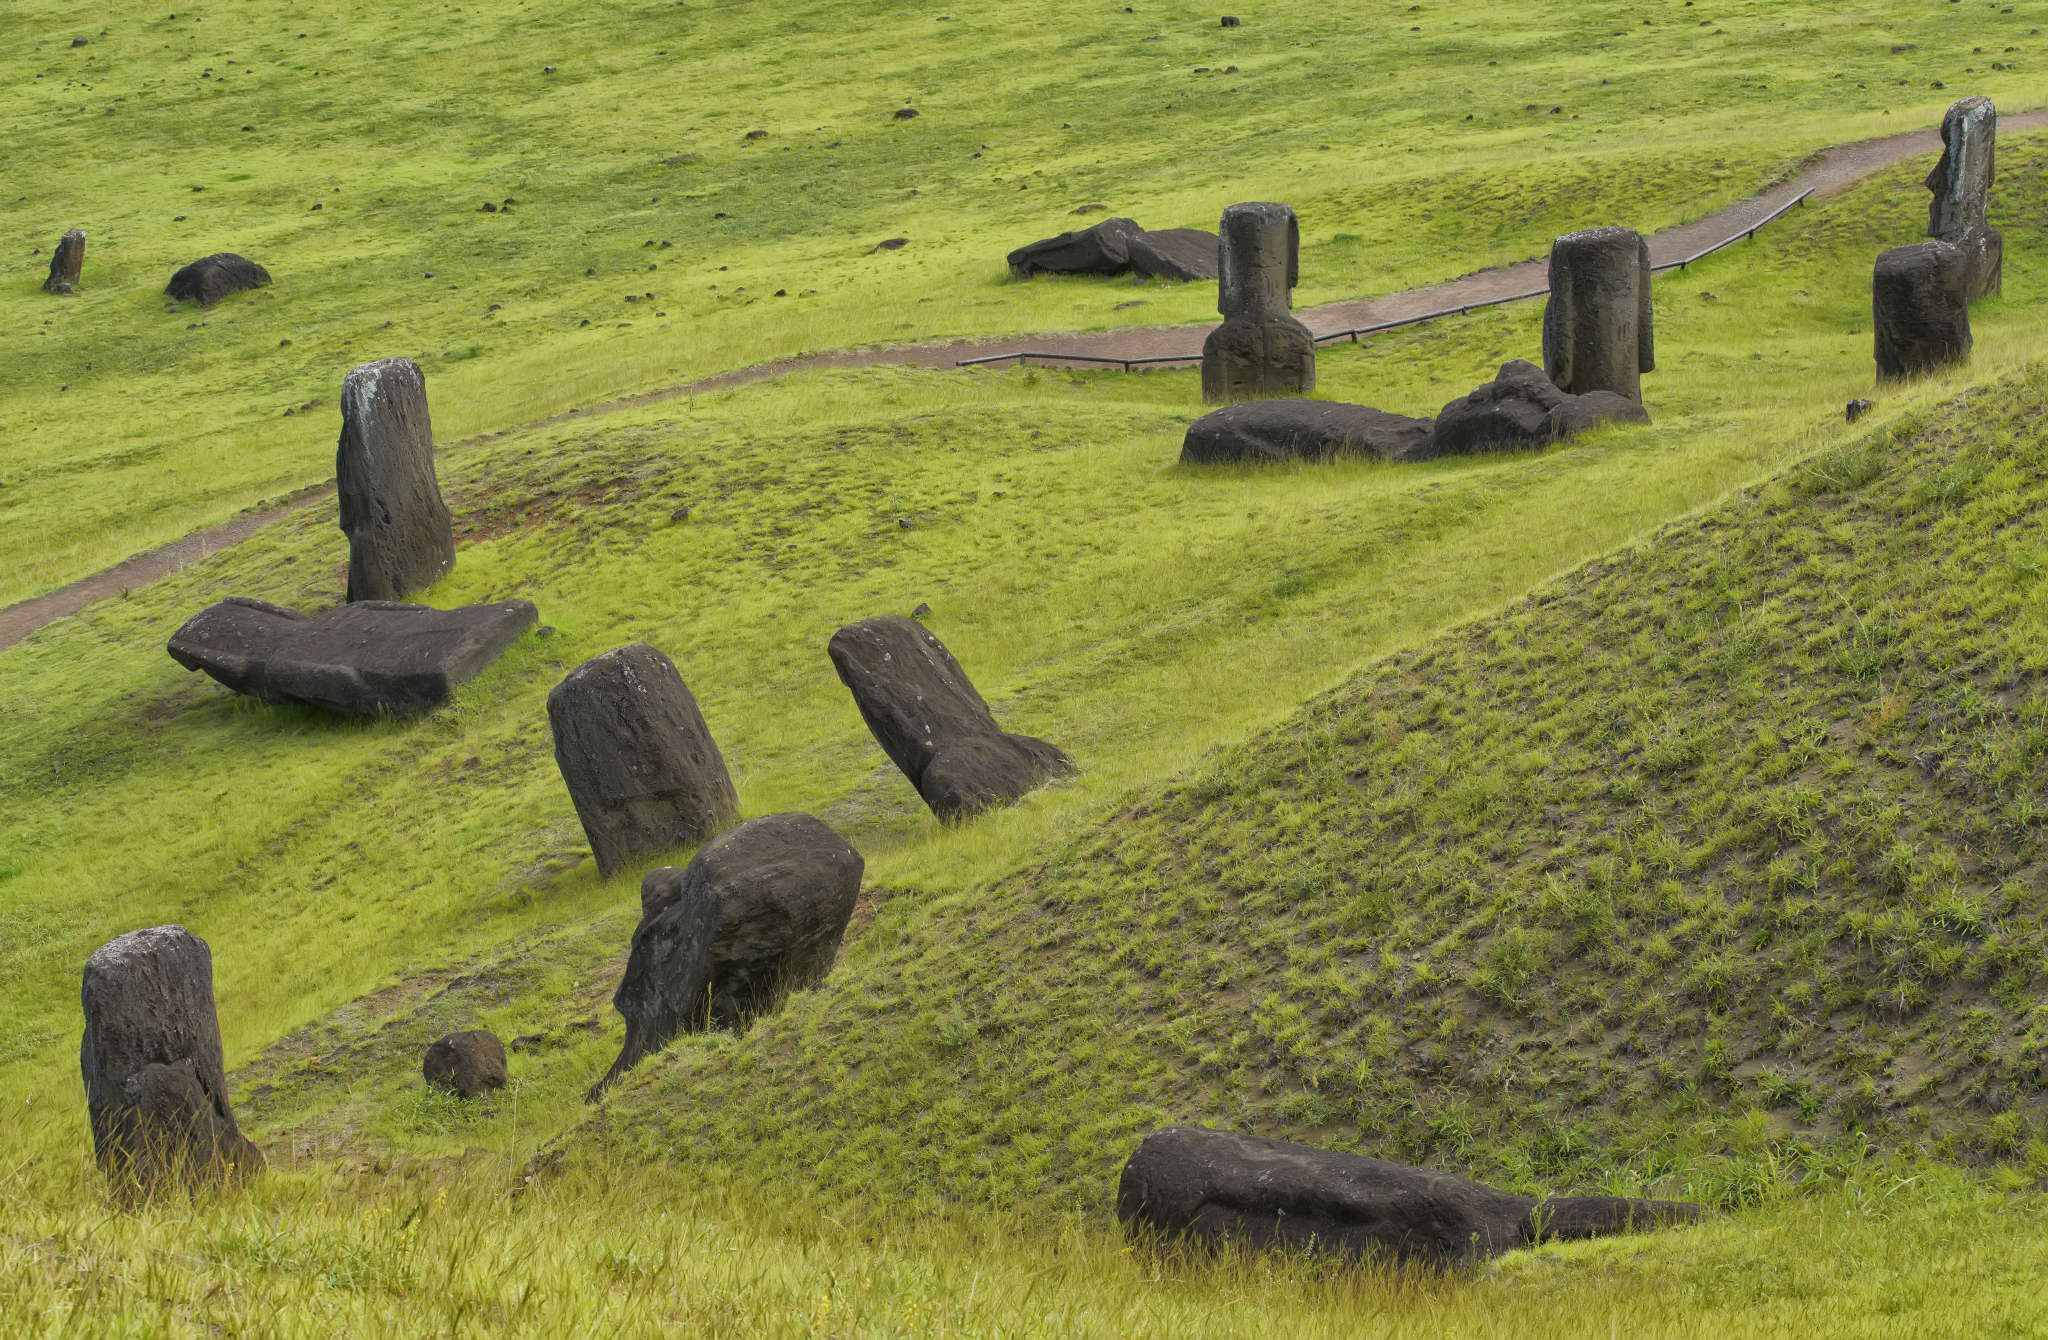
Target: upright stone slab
x,y
641,766
155,1087
1920,309
400,538
1597,333
1260,351
67,263
1960,212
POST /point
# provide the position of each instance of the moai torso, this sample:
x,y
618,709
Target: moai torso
x,y
1260,350
1596,323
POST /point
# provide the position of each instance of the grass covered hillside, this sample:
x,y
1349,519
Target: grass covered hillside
x,y
351,150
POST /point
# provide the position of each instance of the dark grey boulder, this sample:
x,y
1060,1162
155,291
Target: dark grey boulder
x,y
1920,309
1597,329
1961,181
1521,409
1303,430
211,278
400,537
642,769
1183,254
67,263
759,912
931,722
1103,249
1582,413
155,1086
1218,1187
465,1064
373,658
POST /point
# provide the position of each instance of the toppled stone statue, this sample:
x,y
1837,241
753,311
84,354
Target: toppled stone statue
x,y
465,1064
67,263
1597,332
1960,212
155,1085
1103,249
1260,351
370,659
211,278
640,764
1218,1188
400,537
1521,408
1920,309
1303,430
932,724
1182,254
758,913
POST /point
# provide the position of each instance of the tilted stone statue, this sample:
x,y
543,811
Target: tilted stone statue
x,y
1260,350
1597,331
400,538
66,263
1960,212
1919,316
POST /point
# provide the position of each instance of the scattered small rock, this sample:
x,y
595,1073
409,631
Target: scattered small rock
x,y
680,514
466,1064
906,113
757,135
78,41
889,244
921,610
1126,306
1231,21
1857,408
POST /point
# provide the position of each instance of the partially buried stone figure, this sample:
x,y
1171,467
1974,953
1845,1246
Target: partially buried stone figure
x,y
1960,212
1260,350
1596,323
67,263
212,278
400,537
1919,309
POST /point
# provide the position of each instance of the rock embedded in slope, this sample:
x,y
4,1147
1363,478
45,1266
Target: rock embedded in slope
x,y
931,722
1597,329
155,1084
1183,254
1260,350
211,278
640,764
400,536
370,659
760,911
1103,249
1521,409
67,263
1920,309
466,1064
1220,1188
1304,430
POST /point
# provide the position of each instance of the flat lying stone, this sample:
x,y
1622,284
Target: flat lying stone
x,y
1183,254
1103,249
372,658
1520,409
1303,430
211,278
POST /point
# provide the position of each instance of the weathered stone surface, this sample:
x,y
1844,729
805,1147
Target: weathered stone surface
x,y
1520,409
1919,309
1303,430
211,278
155,1087
642,769
759,912
928,718
1856,409
1960,211
1260,351
1596,323
1103,249
400,537
1580,413
1183,254
1217,1187
466,1064
67,263
372,658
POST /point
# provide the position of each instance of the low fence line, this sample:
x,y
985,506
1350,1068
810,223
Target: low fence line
x,y
1746,234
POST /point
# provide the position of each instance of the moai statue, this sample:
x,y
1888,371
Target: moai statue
x,y
400,538
66,263
1597,332
1260,350
1919,318
1961,183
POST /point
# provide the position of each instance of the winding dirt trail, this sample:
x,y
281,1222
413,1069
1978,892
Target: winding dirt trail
x,y
1833,170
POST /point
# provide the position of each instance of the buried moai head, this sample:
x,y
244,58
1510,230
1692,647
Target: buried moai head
x,y
1260,349
1597,333
400,536
67,263
1260,256
1961,181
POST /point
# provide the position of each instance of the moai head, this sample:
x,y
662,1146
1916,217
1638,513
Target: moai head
x,y
1961,181
1260,259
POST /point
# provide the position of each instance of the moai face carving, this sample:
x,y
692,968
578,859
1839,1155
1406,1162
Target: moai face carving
x,y
1260,259
1961,181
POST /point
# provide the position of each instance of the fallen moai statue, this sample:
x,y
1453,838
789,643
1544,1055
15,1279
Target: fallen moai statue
x,y
155,1085
211,278
465,1064
1260,350
1219,1188
1960,212
1597,328
1920,309
1522,408
932,724
400,537
759,912
372,658
67,263
640,764
1115,245
1182,254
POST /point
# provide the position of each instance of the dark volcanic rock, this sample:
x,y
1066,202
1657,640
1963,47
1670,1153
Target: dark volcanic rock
x,y
1303,430
211,278
1597,333
1103,249
466,1064
1217,1187
155,1087
1184,254
759,912
1260,350
1856,409
400,537
641,766
67,263
928,718
372,658
1521,408
1919,309
1961,185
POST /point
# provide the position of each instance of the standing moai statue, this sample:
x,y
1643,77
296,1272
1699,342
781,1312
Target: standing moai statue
x,y
67,262
156,1090
1260,350
1919,314
1597,331
400,538
1960,212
